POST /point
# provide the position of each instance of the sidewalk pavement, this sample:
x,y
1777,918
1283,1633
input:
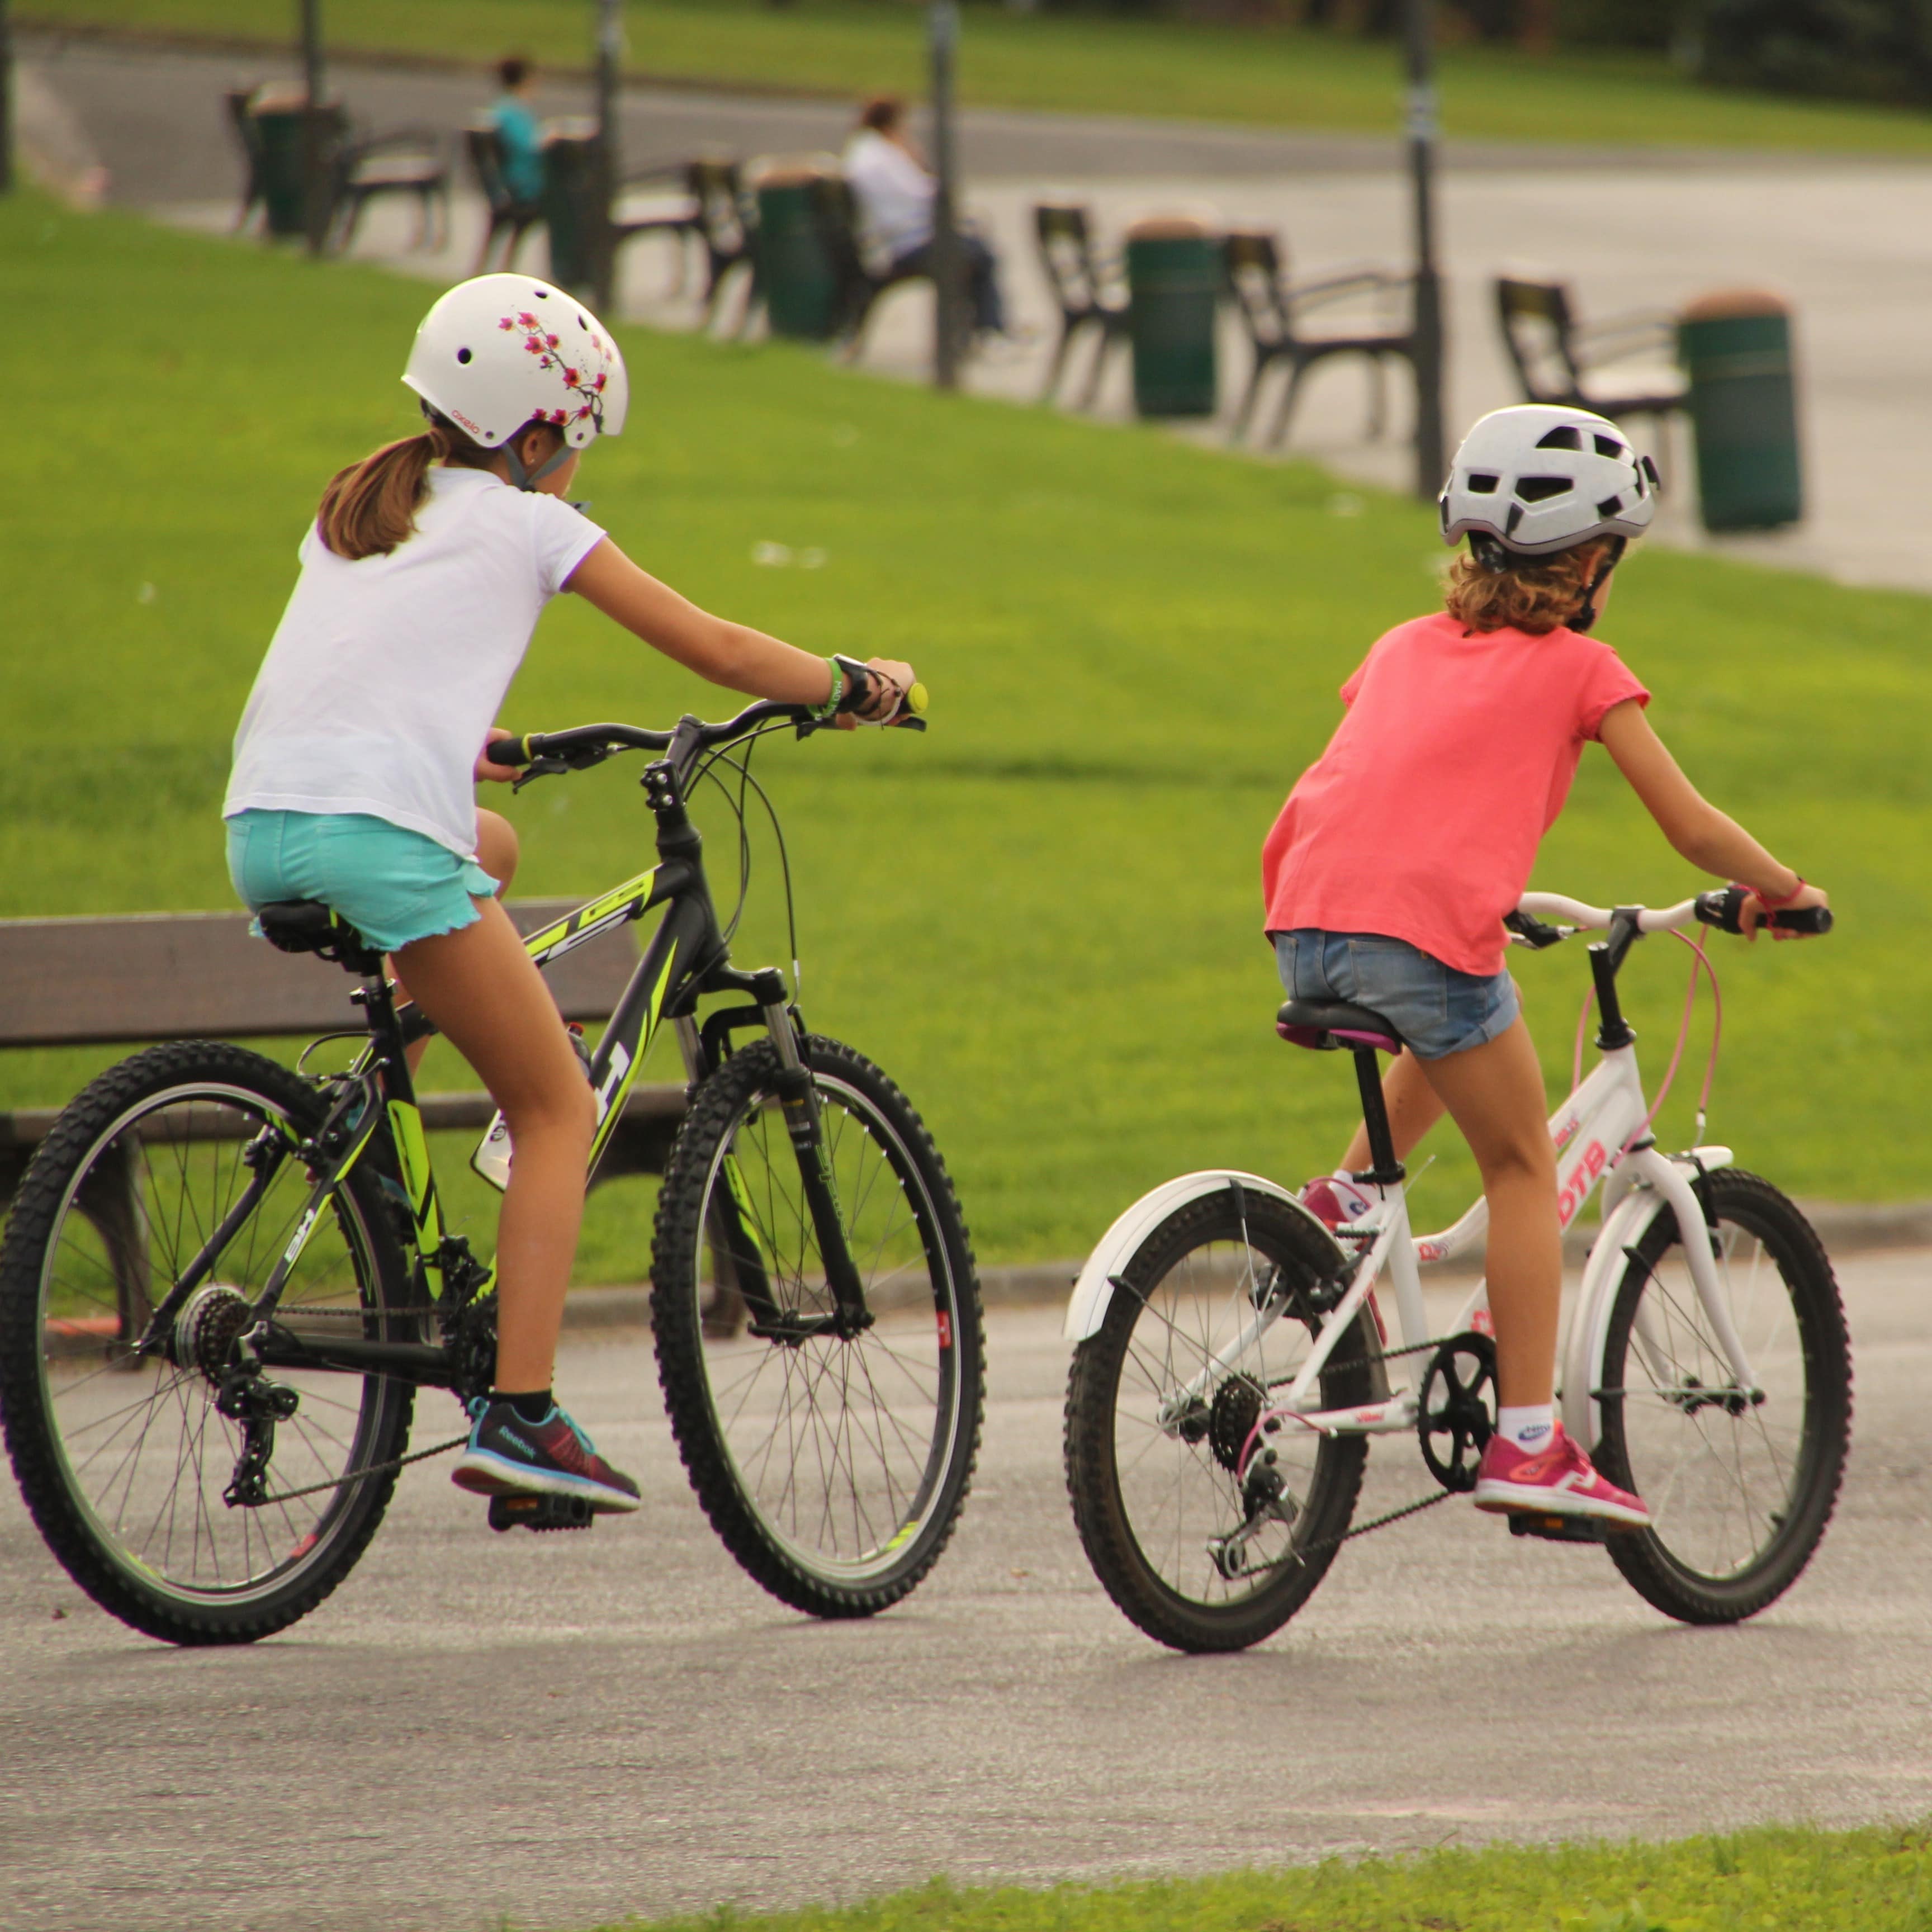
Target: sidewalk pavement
x,y
1849,242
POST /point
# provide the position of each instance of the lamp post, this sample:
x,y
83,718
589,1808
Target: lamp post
x,y
943,43
314,159
607,165
6,100
1421,130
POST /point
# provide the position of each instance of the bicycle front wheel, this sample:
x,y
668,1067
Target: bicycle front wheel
x,y
1163,1405
833,1462
1740,1483
124,1459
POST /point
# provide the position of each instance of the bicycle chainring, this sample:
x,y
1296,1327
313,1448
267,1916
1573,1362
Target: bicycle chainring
x,y
1457,1413
470,1337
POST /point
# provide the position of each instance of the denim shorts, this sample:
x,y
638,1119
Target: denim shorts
x,y
392,884
1435,1009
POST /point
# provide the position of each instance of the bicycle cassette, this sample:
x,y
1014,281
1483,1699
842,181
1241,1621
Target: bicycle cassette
x,y
1457,1413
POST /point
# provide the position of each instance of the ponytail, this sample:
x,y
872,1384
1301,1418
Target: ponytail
x,y
371,508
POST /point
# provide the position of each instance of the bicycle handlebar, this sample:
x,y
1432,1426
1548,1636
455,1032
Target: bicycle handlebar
x,y
1718,908
584,745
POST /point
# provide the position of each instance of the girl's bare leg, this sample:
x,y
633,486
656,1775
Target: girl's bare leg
x,y
491,1003
1496,1095
496,853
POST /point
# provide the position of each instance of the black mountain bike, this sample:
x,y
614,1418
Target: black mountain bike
x,y
224,1281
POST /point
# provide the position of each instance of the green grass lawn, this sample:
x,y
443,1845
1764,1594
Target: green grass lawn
x,y
1771,1880
1043,917
1279,77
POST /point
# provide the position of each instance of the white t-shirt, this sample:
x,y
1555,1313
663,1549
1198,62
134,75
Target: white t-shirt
x,y
895,194
386,674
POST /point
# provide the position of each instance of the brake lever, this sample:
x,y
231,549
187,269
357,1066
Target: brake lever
x,y
539,768
1532,931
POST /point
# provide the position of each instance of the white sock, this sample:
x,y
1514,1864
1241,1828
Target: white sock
x,y
1529,1429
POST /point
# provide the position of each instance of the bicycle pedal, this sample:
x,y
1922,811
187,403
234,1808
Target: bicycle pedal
x,y
541,1513
1559,1528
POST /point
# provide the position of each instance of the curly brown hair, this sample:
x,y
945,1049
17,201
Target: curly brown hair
x,y
1536,594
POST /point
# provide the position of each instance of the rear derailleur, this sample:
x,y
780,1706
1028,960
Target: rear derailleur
x,y
247,1396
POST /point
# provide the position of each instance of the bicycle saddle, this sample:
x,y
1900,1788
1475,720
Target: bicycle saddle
x,y
1330,1025
307,925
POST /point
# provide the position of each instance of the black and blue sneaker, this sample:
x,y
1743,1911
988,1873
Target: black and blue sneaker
x,y
507,1456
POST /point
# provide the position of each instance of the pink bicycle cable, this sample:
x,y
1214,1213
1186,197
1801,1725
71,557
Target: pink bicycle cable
x,y
1699,958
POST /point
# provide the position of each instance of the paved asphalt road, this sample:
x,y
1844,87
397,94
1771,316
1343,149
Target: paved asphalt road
x,y
562,1729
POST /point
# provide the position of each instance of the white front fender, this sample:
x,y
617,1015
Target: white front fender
x,y
1094,1290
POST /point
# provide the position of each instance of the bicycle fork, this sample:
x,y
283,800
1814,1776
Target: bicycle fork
x,y
798,1101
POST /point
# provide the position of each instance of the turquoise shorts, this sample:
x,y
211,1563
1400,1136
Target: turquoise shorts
x,y
393,885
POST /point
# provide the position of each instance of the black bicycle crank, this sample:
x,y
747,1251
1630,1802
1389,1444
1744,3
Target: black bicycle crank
x,y
1458,1409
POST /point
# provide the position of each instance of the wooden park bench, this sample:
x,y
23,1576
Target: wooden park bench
x,y
182,975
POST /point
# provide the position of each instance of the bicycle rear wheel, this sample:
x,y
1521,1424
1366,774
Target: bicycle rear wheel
x,y
123,1459
833,1466
1161,1403
1740,1491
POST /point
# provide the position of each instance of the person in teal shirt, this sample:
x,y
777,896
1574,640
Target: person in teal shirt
x,y
518,130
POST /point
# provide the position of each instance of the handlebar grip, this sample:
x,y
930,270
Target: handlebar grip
x,y
917,700
513,751
1725,909
1815,919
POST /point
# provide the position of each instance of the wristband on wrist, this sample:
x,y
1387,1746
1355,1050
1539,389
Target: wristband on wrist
x,y
829,708
1770,905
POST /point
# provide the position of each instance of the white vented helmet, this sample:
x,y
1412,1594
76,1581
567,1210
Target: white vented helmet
x,y
1540,478
500,351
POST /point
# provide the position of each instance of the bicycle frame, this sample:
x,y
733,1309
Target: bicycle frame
x,y
1600,1135
687,957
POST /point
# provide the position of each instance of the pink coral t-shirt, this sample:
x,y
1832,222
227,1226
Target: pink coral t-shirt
x,y
1422,818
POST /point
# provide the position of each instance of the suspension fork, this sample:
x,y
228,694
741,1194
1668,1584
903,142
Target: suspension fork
x,y
804,1124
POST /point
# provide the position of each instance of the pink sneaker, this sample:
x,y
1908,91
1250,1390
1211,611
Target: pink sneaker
x,y
1333,1199
1558,1480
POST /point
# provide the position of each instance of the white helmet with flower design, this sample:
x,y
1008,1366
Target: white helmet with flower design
x,y
499,352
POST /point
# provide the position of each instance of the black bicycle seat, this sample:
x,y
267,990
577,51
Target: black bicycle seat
x,y
1329,1026
307,925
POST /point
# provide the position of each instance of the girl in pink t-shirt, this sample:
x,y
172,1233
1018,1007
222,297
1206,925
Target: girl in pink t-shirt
x,y
1387,874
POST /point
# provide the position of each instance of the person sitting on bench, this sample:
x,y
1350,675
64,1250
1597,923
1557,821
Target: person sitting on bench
x,y
894,191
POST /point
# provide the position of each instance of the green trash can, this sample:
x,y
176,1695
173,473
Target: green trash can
x,y
570,209
1736,347
279,121
796,274
1174,279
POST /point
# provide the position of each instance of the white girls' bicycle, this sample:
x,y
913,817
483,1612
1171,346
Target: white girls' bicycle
x,y
1232,1362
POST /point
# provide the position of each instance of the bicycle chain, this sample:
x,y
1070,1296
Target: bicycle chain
x,y
363,1475
1382,1522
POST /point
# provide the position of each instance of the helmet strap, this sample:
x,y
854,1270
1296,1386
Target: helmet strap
x,y
523,478
1586,611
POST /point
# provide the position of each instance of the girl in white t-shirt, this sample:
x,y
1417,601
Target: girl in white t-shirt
x,y
422,578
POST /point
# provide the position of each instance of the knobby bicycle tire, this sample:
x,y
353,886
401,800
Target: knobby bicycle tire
x,y
1147,1491
833,1469
122,1460
1740,1492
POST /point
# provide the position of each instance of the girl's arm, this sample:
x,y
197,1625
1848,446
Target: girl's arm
x,y
733,655
1694,827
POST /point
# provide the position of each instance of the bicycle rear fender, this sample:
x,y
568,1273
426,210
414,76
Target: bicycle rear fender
x,y
1630,1207
1094,1290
